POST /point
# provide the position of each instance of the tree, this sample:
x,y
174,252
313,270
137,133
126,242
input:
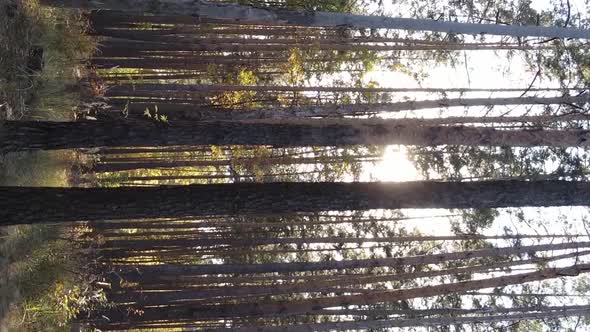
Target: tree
x,y
30,135
164,273
188,111
55,204
265,16
544,313
311,305
214,269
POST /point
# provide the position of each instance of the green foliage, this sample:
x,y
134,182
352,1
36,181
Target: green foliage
x,y
459,162
235,76
294,67
474,221
155,116
527,326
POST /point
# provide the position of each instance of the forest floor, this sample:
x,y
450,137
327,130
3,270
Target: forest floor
x,y
36,261
42,52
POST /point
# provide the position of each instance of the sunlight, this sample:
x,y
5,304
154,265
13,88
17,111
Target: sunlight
x,y
395,166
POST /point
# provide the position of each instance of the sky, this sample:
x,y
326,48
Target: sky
x,y
482,69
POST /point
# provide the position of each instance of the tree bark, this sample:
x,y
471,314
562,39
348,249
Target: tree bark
x,y
376,108
275,308
555,312
239,14
268,46
203,269
31,135
320,285
194,241
221,88
21,205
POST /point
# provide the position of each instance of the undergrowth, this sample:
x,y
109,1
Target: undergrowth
x,y
43,275
43,286
42,53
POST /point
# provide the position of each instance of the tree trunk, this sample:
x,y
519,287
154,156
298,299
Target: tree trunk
x,y
372,325
200,242
324,285
194,111
270,308
268,46
124,164
21,205
31,135
221,88
376,108
337,265
239,14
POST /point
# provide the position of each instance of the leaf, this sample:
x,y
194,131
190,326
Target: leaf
x,y
147,112
126,109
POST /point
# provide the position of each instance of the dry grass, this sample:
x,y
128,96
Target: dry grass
x,y
27,26
19,22
35,282
29,266
35,278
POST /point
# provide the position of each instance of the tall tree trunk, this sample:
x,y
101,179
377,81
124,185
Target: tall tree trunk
x,y
450,311
337,265
275,308
233,13
194,111
195,241
221,88
123,164
319,285
267,46
31,135
307,111
550,313
20,205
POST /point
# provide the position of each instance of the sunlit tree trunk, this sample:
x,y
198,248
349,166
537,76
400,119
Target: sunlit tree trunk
x,y
229,13
122,164
202,45
251,242
545,313
220,88
319,285
344,264
272,308
451,311
376,108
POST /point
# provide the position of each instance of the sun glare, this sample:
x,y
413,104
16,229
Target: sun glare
x,y
395,166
